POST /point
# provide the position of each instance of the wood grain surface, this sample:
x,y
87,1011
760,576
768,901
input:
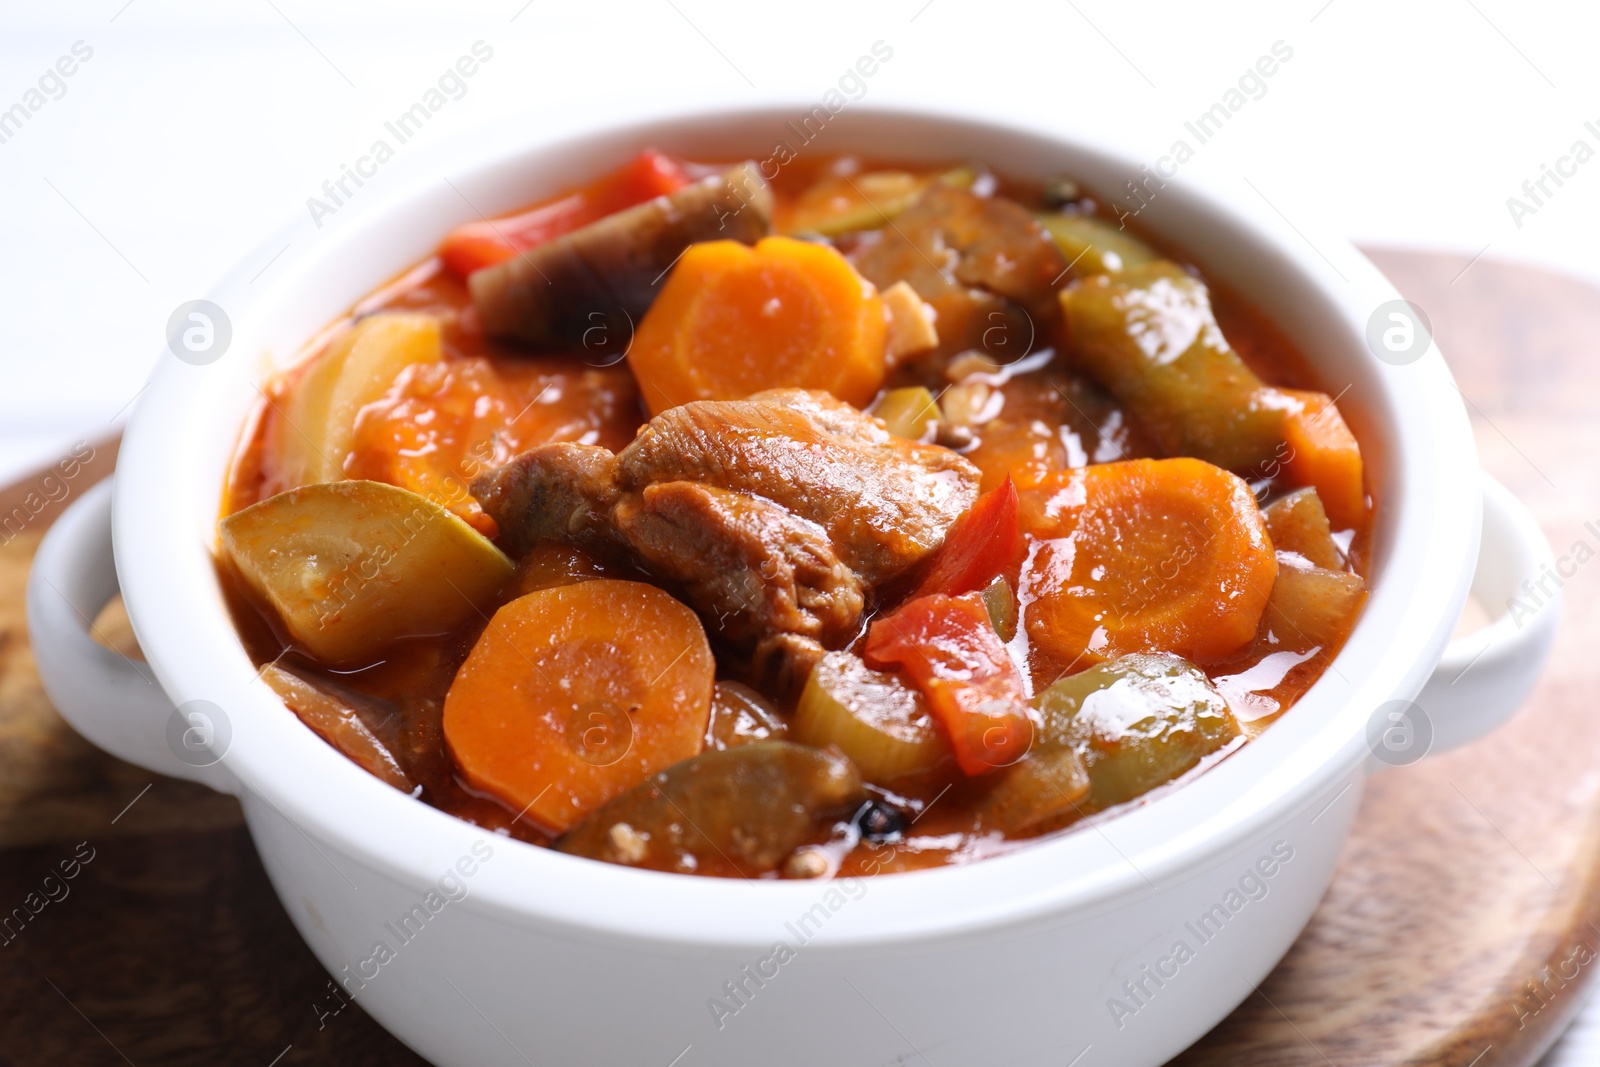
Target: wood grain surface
x,y
1464,921
1461,928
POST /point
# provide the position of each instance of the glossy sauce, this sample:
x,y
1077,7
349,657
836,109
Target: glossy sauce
x,y
442,425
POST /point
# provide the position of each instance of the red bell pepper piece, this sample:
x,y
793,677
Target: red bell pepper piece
x,y
983,544
489,241
952,653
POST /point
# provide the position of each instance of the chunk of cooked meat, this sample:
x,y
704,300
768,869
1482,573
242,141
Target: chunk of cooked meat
x,y
884,501
773,516
781,663
590,287
738,556
556,492
985,265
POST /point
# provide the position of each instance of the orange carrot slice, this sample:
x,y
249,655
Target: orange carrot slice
x,y
1168,555
733,320
442,424
576,694
1323,453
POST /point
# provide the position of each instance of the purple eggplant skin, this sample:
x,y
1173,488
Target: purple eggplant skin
x,y
588,289
736,812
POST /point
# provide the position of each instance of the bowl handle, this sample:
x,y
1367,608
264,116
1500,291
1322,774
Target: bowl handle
x,y
1485,675
110,699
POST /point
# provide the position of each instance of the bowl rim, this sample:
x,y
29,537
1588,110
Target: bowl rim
x,y
174,602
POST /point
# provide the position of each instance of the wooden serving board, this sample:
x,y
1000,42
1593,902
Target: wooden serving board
x,y
1461,929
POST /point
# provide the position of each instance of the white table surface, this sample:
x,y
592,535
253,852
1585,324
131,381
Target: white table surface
x,y
195,128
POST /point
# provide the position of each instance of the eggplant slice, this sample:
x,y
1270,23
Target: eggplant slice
x,y
589,288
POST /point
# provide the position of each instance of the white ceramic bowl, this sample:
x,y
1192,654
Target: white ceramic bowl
x,y
1116,945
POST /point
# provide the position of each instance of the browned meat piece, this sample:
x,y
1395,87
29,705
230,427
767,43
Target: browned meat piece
x,y
773,516
739,556
781,663
985,265
884,501
591,287
556,492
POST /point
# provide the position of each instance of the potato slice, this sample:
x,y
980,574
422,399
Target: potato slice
x,y
912,412
357,368
1297,523
1313,607
911,324
351,566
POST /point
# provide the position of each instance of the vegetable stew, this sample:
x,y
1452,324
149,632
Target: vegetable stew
x,y
851,518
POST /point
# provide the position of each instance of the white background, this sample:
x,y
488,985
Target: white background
x,y
198,128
